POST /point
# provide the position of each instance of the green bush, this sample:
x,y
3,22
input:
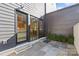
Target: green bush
x,y
70,39
61,38
52,36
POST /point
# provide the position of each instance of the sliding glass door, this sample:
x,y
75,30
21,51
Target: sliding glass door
x,y
21,27
29,28
33,28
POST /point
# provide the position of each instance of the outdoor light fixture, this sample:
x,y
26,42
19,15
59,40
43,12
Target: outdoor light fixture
x,y
21,6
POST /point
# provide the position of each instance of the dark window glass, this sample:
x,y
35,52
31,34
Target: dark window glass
x,y
33,28
21,27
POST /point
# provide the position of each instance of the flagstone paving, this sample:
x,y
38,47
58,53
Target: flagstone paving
x,y
52,48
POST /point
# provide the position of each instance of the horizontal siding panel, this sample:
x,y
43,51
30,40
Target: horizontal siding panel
x,y
3,22
7,31
6,19
6,6
7,13
6,36
6,25
7,28
4,33
14,4
6,10
11,4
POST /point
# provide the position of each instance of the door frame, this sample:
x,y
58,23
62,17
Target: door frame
x,y
27,40
28,29
38,24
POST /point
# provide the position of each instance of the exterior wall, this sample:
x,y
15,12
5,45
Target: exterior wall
x,y
62,21
76,36
8,20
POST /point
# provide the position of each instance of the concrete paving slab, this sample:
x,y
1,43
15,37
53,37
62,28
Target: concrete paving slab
x,y
52,48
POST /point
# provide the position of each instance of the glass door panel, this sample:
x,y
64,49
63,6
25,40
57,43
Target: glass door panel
x,y
21,27
33,28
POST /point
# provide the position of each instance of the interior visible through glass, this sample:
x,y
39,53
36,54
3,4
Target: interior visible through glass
x,y
21,27
33,28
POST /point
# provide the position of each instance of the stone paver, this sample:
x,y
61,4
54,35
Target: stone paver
x,y
52,48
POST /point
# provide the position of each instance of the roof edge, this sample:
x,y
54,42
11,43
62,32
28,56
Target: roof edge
x,y
63,9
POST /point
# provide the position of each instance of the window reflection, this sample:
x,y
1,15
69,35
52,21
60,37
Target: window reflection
x,y
21,27
33,28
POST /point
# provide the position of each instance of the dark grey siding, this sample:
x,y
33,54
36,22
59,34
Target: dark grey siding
x,y
10,43
62,21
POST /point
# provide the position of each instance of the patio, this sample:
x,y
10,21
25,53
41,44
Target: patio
x,y
52,48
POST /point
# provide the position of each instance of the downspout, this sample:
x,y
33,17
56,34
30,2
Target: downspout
x,y
45,20
45,31
45,24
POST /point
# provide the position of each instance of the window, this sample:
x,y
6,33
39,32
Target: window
x,y
21,27
33,28
28,27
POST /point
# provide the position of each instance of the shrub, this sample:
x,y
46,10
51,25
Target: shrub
x,y
52,36
70,39
61,38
